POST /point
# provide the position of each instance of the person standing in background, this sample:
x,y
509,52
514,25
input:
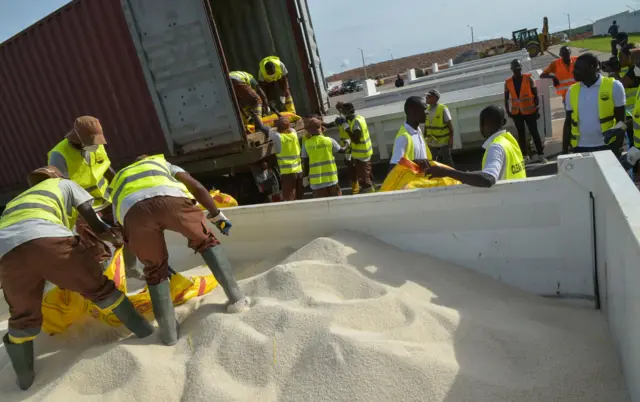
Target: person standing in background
x,y
345,141
274,80
561,72
439,128
522,105
356,128
409,142
319,163
613,31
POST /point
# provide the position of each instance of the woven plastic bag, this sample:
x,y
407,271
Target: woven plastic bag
x,y
408,175
221,200
270,120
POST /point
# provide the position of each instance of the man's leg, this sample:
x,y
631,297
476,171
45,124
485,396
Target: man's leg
x,y
522,135
353,176
299,187
289,186
321,192
532,124
445,152
363,172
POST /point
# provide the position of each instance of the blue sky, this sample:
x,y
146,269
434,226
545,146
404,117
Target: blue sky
x,y
401,27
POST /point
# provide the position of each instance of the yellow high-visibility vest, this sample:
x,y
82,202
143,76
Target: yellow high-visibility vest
x,y
263,69
514,162
242,76
605,109
629,92
636,124
409,153
437,130
364,149
42,201
87,174
289,156
147,173
322,164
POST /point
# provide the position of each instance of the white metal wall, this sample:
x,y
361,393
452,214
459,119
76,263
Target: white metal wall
x,y
628,21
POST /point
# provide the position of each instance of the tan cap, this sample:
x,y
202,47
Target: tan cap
x,y
89,131
283,124
313,125
42,174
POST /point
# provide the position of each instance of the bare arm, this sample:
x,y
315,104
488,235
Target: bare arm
x,y
619,113
506,98
566,133
475,179
534,90
110,174
450,125
200,193
89,215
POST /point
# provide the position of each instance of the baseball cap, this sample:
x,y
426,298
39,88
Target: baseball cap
x,y
89,130
42,174
434,92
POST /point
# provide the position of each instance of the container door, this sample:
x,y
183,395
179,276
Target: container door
x,y
185,73
313,54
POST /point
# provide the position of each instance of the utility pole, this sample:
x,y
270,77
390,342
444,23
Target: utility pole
x,y
393,64
472,38
569,19
364,65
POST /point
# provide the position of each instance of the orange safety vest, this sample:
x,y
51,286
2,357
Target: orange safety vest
x,y
525,103
564,75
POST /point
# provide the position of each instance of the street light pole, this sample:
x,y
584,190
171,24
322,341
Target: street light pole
x,y
364,65
472,38
569,19
393,64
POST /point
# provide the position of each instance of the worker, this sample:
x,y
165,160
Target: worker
x,y
522,105
37,245
502,159
595,110
274,79
355,126
250,96
399,82
82,158
409,142
627,75
286,145
345,141
561,72
151,196
613,31
319,163
439,128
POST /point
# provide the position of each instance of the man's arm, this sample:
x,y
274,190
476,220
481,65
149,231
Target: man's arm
x,y
356,134
566,133
506,99
550,72
110,174
399,148
200,193
450,125
56,159
534,90
475,179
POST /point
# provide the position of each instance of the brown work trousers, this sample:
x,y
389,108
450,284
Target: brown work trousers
x,y
363,173
292,187
331,191
144,227
67,262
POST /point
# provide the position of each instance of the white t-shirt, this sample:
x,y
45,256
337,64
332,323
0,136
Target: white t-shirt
x,y
31,229
304,154
589,124
400,145
496,157
276,138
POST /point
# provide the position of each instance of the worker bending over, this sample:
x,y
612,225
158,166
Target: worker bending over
x,y
502,157
250,96
439,128
355,126
37,245
409,142
274,79
319,163
595,110
561,72
151,196
522,104
286,145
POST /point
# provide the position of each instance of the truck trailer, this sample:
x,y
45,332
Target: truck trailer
x,y
155,72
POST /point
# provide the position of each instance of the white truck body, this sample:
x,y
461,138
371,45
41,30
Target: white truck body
x,y
501,58
573,235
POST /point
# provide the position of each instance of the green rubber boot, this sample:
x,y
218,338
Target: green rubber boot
x,y
164,312
131,319
21,356
222,270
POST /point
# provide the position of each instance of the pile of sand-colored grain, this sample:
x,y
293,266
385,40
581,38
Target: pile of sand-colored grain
x,y
347,318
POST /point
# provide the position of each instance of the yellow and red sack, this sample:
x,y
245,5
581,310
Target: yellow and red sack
x,y
270,120
408,175
221,200
62,308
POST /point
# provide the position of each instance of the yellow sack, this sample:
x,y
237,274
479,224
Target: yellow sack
x,y
221,200
270,120
408,175
62,308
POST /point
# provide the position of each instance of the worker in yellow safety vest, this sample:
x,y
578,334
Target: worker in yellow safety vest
x,y
153,195
274,79
82,158
345,141
631,59
439,128
409,142
502,158
355,126
595,110
250,96
319,163
37,244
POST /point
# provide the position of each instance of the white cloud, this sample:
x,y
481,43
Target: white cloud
x,y
345,63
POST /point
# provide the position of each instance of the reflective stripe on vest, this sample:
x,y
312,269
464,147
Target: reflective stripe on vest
x,y
630,93
322,165
605,109
514,162
263,69
42,201
147,173
410,153
87,170
242,77
364,149
289,157
524,104
564,74
636,126
436,129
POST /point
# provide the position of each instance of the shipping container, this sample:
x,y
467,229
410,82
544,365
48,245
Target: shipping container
x,y
155,72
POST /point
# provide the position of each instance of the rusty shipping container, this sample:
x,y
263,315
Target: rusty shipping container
x,y
154,72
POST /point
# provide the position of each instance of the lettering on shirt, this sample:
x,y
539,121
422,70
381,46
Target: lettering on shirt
x,y
517,168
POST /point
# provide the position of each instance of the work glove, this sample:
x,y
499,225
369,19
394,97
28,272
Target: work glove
x,y
633,156
305,182
222,223
615,132
556,81
340,120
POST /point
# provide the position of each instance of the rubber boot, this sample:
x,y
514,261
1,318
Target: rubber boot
x,y
220,266
21,356
164,312
131,319
355,188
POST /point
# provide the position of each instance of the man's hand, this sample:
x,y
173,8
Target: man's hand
x,y
305,182
633,156
556,81
436,171
537,114
510,114
340,120
222,223
112,236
